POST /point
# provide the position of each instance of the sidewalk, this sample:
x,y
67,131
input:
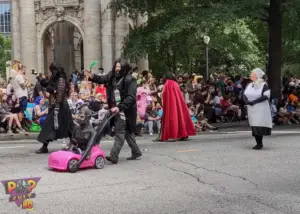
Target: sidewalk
x,y
33,136
223,127
230,125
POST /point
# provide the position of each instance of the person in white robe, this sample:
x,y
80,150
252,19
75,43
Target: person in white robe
x,y
256,97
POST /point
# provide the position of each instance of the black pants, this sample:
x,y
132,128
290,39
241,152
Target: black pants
x,y
259,139
121,135
107,130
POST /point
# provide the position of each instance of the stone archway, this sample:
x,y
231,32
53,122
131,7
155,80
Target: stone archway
x,y
62,43
50,12
40,36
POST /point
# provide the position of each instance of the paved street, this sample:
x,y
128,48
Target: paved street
x,y
212,173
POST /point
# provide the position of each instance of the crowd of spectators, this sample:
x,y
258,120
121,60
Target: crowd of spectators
x,y
220,99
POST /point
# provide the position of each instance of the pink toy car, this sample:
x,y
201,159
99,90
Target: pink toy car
x,y
68,160
92,156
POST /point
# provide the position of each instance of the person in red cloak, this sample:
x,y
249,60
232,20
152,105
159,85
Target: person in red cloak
x,y
176,119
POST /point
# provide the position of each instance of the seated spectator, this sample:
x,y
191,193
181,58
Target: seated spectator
x,y
204,125
284,115
72,89
201,123
13,103
40,111
97,104
151,119
293,98
73,102
230,86
158,110
102,90
292,108
192,111
217,102
209,110
84,92
199,100
139,125
228,106
6,116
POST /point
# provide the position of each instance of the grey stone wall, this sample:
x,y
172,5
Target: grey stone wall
x,y
92,33
28,36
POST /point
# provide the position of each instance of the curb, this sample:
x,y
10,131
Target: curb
x,y
5,137
203,136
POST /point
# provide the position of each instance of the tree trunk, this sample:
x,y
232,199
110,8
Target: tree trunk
x,y
275,47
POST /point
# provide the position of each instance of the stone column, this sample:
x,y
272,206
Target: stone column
x,y
92,33
143,63
107,35
77,53
28,37
64,53
16,38
121,31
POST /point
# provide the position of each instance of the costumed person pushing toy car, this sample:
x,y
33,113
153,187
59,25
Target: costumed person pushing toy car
x,y
121,98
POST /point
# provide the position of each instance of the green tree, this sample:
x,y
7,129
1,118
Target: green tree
x,y
5,54
176,39
256,29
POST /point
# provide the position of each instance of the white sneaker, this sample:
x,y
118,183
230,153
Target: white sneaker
x,y
151,133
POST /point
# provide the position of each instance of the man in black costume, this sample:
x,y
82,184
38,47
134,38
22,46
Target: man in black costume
x,y
59,123
121,98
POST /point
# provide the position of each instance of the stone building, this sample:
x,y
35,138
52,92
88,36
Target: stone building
x,y
72,32
5,26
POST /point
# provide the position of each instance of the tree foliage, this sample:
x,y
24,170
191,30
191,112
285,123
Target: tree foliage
x,y
238,31
5,54
175,29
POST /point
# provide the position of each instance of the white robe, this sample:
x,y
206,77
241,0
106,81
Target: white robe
x,y
260,113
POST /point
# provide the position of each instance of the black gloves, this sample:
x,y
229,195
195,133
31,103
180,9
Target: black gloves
x,y
259,100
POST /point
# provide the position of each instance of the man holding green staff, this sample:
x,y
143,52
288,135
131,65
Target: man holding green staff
x,y
121,98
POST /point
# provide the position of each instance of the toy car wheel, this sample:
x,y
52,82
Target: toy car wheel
x,y
72,165
99,162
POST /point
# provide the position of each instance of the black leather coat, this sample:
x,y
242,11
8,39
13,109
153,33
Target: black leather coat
x,y
128,89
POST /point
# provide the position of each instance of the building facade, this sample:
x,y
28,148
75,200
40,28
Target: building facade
x,y
73,33
5,23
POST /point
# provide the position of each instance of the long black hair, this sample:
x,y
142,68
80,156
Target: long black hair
x,y
58,72
125,67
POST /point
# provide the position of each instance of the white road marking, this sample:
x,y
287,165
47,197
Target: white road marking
x,y
13,147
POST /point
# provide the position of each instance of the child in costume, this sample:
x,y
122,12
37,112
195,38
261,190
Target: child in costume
x,y
82,130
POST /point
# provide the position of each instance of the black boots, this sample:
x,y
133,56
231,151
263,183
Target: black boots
x,y
43,149
258,146
134,157
111,159
259,143
115,160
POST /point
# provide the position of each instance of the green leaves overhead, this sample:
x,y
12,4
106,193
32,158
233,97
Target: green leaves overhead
x,y
238,30
5,54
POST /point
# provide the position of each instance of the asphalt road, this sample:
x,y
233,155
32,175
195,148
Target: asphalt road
x,y
214,173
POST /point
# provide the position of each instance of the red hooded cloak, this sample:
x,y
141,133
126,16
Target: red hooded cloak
x,y
176,120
